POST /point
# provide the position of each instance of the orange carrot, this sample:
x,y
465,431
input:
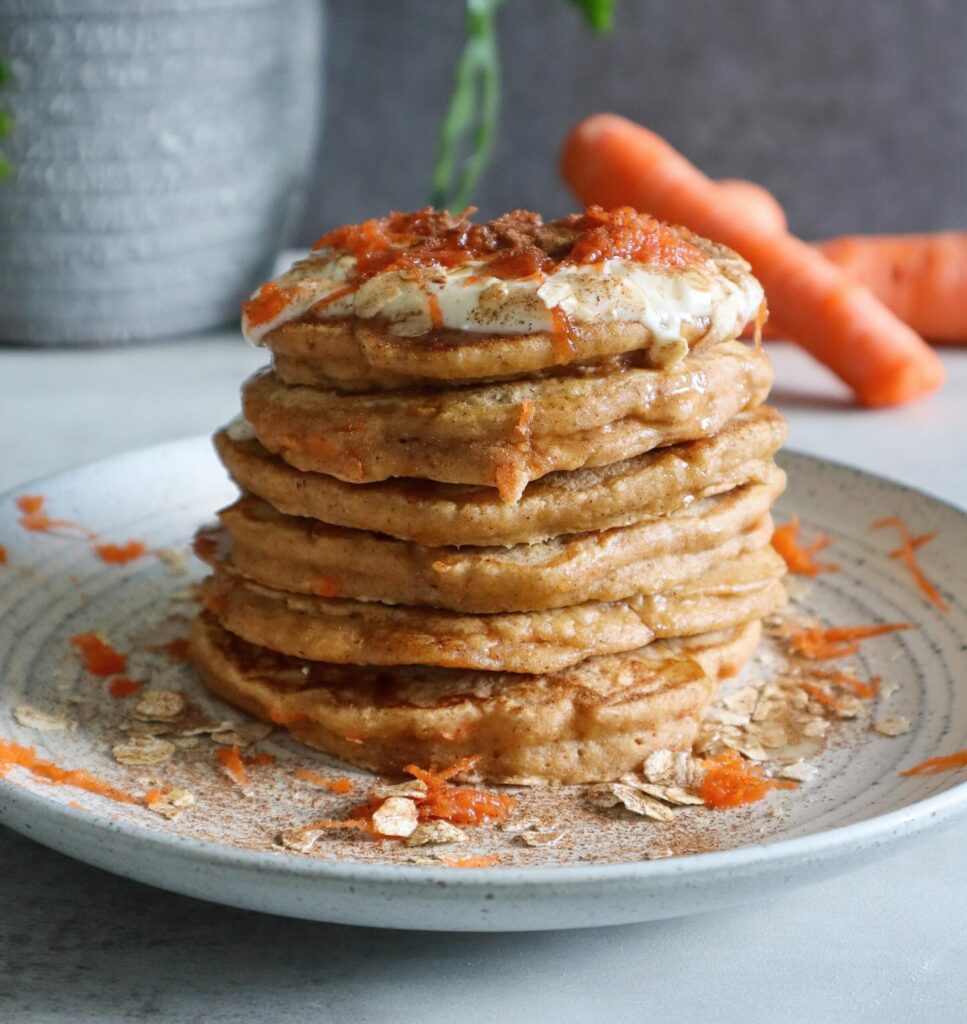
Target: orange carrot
x,y
342,785
231,760
3,555
100,659
477,860
906,554
611,161
922,278
799,558
756,205
935,765
122,687
839,641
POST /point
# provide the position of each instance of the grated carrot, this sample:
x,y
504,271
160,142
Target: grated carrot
x,y
13,755
120,554
121,686
732,781
906,553
827,644
100,659
935,765
799,559
230,759
3,555
341,786
34,518
819,694
477,860
263,757
861,689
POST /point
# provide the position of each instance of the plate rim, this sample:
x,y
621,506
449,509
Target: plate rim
x,y
882,830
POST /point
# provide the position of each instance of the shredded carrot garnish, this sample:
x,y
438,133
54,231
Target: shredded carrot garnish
x,y
266,305
34,518
333,785
458,804
906,553
120,554
3,555
861,689
478,860
935,765
13,755
100,659
121,686
799,558
263,757
819,694
230,759
154,796
827,644
731,781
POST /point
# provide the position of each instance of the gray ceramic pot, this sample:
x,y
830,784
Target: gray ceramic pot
x,y
159,149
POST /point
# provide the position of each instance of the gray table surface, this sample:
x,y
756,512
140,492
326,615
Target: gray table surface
x,y
76,944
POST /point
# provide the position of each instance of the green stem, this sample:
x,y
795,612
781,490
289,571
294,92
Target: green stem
x,y
474,107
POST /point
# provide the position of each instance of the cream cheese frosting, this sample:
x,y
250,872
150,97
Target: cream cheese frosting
x,y
665,300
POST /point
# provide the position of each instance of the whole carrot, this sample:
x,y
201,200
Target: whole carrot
x,y
922,278
612,161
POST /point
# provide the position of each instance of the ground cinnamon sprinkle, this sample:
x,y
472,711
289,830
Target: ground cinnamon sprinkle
x,y
828,644
799,558
100,659
935,765
341,786
478,860
906,553
231,760
124,687
13,755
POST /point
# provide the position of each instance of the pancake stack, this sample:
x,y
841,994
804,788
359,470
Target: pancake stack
x,y
506,492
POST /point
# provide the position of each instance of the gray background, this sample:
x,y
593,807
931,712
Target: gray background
x,y
852,111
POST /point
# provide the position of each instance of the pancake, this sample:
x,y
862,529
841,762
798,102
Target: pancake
x,y
504,435
655,483
655,555
591,723
434,306
361,633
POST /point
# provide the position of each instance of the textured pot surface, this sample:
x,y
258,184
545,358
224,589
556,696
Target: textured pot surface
x,y
159,150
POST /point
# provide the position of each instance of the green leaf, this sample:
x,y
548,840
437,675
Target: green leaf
x,y
6,122
599,14
6,75
6,168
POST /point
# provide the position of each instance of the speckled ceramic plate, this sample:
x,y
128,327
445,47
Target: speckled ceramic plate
x,y
224,847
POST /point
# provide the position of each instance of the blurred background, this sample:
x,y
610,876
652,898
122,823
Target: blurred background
x,y
851,112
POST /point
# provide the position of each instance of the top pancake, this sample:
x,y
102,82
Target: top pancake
x,y
455,302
